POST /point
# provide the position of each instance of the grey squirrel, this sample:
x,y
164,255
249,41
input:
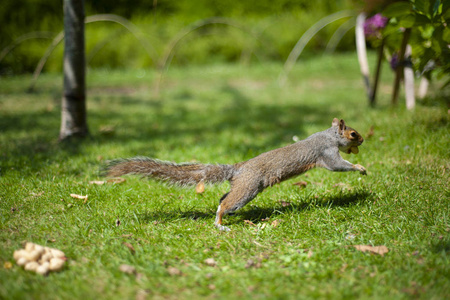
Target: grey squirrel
x,y
249,178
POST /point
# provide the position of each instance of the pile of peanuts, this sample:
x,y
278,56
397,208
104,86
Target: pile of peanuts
x,y
39,259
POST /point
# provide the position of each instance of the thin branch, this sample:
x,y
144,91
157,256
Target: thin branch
x,y
168,53
373,94
305,38
23,38
339,34
398,70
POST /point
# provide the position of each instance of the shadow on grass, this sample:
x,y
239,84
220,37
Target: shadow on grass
x,y
441,246
241,115
31,142
256,214
32,135
342,199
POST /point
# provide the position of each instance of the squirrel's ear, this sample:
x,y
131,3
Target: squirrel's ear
x,y
335,122
341,125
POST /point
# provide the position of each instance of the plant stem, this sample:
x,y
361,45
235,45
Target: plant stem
x,y
377,75
399,68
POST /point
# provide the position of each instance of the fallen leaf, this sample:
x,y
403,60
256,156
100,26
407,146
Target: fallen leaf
x,y
130,247
37,194
301,184
79,197
249,222
200,188
111,180
174,271
257,244
127,269
116,180
210,262
381,250
275,223
97,182
7,265
107,130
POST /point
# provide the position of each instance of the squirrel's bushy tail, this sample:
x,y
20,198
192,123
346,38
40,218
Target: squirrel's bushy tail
x,y
182,174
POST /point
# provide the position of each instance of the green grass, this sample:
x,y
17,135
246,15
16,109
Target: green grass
x,y
225,114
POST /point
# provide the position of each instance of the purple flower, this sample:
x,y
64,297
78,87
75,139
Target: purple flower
x,y
394,61
373,26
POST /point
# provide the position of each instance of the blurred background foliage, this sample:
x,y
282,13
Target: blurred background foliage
x,y
268,30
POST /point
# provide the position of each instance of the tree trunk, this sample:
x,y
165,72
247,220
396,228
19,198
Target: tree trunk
x,y
73,115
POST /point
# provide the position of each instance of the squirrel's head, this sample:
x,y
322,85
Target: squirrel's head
x,y
351,139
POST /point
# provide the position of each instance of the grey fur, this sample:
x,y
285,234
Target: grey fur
x,y
250,177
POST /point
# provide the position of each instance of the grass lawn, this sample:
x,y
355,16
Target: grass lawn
x,y
288,243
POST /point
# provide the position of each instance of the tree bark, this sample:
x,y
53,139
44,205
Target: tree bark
x,y
73,111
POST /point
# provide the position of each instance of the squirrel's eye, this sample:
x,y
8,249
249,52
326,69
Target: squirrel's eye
x,y
353,134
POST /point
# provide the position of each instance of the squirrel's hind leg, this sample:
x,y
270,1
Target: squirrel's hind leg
x,y
231,202
218,222
220,213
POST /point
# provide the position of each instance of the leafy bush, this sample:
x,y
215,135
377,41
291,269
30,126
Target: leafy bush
x,y
430,35
266,29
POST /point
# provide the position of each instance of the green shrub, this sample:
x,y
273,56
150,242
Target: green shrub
x,y
267,30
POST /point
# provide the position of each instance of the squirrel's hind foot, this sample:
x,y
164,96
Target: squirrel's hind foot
x,y
223,228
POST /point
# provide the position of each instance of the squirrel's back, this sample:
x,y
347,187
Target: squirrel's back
x,y
277,165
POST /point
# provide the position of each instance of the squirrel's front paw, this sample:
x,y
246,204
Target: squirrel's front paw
x,y
361,169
